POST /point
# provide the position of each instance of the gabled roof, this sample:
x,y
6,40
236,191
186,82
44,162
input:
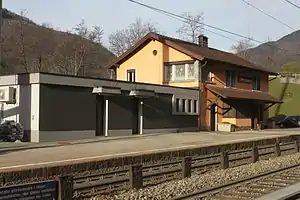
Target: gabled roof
x,y
193,50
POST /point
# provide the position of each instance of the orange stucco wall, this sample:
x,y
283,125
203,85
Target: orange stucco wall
x,y
219,78
219,71
172,55
149,68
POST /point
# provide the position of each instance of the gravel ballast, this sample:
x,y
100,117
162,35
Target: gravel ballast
x,y
201,181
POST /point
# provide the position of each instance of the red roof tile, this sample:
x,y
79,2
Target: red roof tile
x,y
194,51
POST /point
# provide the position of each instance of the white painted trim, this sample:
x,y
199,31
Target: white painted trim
x,y
106,104
141,116
124,85
35,112
181,111
173,72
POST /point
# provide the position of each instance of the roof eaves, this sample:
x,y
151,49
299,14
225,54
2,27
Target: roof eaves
x,y
157,37
116,62
214,89
183,50
261,69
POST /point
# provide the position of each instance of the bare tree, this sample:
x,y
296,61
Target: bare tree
x,y
74,63
192,26
242,47
47,25
95,34
22,44
81,29
121,40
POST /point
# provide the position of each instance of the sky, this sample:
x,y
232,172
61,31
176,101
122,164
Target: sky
x,y
112,15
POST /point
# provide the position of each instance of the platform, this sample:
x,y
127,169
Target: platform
x,y
77,151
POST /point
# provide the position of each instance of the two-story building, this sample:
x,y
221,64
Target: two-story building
x,y
232,89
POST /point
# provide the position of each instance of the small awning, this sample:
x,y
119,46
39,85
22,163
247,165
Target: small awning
x,y
142,93
105,90
234,93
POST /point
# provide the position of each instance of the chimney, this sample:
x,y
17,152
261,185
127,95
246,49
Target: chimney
x,y
203,41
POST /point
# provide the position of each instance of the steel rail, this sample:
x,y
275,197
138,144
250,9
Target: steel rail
x,y
213,190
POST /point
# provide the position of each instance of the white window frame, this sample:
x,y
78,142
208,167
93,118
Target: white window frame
x,y
127,73
186,77
186,98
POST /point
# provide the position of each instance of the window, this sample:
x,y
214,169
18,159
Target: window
x,y
191,71
131,75
113,74
168,73
189,106
230,79
177,105
180,72
195,106
256,83
183,105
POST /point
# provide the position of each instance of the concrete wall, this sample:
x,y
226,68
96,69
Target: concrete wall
x,y
158,115
120,115
68,109
26,107
70,113
56,107
66,112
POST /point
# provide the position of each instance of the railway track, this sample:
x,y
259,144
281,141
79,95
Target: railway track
x,y
249,188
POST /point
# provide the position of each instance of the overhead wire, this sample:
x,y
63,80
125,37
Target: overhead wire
x,y
265,13
213,32
185,20
293,4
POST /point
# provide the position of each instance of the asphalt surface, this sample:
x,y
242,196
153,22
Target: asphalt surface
x,y
78,151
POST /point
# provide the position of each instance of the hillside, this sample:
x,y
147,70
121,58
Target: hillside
x,y
29,47
291,98
270,54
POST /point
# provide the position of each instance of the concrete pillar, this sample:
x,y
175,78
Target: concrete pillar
x,y
141,116
105,118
